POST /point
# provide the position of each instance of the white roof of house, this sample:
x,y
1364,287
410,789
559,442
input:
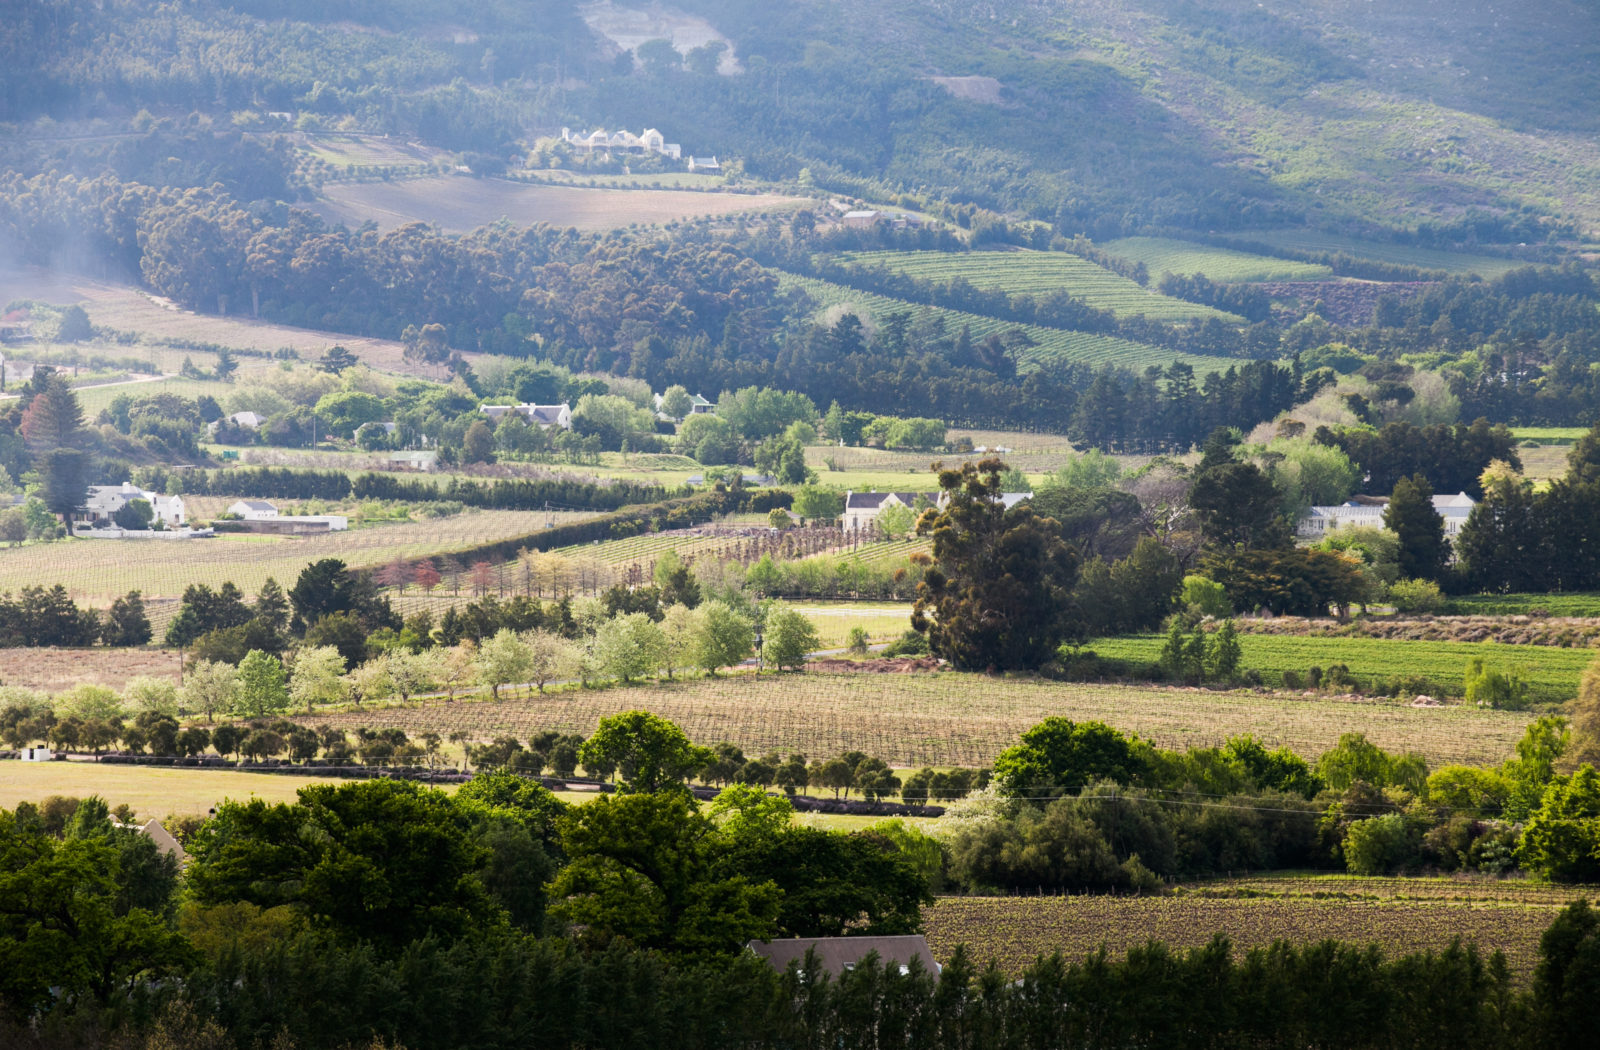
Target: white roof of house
x,y
256,504
1457,506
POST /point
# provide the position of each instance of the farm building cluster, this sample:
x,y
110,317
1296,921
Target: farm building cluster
x,y
649,140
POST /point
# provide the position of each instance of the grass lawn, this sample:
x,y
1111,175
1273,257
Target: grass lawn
x,y
151,792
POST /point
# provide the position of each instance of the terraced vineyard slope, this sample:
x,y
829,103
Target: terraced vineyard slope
x,y
1051,344
1040,273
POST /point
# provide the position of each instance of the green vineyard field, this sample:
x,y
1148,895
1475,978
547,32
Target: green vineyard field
x,y
1164,255
1552,673
1053,344
1040,273
1571,604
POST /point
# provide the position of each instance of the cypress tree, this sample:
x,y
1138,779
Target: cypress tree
x,y
1420,528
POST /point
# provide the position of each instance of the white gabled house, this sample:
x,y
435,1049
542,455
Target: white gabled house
x,y
1369,510
104,501
545,416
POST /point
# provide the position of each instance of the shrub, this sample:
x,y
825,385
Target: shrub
x,y
1206,597
912,643
1380,845
1416,596
1488,687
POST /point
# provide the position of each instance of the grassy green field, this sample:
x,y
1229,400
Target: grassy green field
x,y
1552,673
1457,263
95,398
1399,914
951,719
1053,344
1164,255
1549,435
1040,273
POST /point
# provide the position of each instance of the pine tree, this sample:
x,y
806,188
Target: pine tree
x,y
1224,654
53,418
65,474
1420,529
126,624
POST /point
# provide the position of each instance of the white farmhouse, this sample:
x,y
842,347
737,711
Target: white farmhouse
x,y
1369,510
105,500
545,416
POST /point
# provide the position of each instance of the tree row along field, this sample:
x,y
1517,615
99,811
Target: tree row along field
x,y
1040,273
953,719
1552,673
1016,930
1455,263
1165,255
97,571
1053,344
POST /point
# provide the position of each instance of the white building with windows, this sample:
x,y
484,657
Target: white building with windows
x,y
1369,510
545,416
104,501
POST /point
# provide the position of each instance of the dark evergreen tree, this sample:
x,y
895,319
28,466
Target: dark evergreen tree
x,y
1420,528
126,624
997,593
64,473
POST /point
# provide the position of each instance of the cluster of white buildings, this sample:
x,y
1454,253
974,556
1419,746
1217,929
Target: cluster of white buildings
x,y
1368,511
647,141
543,416
261,516
105,500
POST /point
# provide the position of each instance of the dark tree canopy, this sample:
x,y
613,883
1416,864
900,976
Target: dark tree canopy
x,y
999,591
1420,528
384,861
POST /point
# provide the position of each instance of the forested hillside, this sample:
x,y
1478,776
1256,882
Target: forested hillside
x,y
1466,121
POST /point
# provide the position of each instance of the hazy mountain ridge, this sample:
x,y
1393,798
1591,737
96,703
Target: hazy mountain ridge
x,y
1111,118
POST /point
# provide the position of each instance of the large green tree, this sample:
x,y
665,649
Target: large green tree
x,y
1059,756
998,591
651,753
64,473
384,861
85,918
1419,527
1562,840
644,868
